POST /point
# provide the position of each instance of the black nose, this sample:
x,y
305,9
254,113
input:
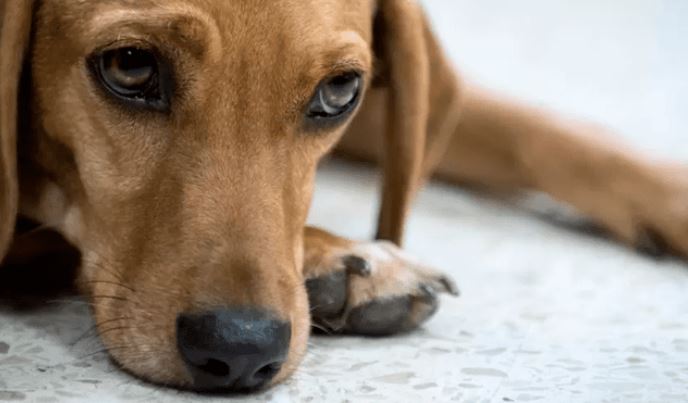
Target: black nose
x,y
232,349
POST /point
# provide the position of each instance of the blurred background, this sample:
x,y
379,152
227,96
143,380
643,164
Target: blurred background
x,y
621,62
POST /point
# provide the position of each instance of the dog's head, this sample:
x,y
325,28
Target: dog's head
x,y
175,144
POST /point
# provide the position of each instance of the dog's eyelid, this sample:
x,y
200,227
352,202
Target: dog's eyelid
x,y
162,52
125,42
162,47
347,66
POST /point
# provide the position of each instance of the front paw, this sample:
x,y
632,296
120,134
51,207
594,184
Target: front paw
x,y
373,289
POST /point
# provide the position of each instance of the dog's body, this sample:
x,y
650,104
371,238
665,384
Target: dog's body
x,y
188,198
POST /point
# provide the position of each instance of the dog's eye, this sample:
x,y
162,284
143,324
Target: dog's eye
x,y
335,97
131,74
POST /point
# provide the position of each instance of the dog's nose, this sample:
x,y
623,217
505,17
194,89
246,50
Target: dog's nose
x,y
232,349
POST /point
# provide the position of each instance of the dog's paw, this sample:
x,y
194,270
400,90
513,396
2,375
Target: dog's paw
x,y
661,213
373,289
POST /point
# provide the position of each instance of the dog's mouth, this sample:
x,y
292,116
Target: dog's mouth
x,y
223,350
217,352
162,338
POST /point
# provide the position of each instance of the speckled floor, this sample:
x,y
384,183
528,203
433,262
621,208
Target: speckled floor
x,y
547,314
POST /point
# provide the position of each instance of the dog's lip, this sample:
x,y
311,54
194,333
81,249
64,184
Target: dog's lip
x,y
184,381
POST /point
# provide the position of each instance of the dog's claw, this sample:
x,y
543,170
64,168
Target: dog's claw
x,y
357,265
450,286
650,243
427,292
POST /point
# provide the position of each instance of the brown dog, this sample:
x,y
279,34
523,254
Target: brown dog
x,y
175,143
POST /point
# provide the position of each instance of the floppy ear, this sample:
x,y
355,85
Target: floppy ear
x,y
15,32
423,107
400,46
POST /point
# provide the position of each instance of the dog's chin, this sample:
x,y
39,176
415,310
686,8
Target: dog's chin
x,y
145,354
155,371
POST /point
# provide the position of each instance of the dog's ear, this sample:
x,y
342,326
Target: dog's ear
x,y
15,33
404,67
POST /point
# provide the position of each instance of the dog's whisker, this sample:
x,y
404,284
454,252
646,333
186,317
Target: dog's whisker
x,y
321,328
129,353
140,348
107,268
103,264
111,297
32,231
121,328
69,301
111,283
105,350
93,329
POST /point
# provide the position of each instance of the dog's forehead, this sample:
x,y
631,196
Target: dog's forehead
x,y
236,17
299,32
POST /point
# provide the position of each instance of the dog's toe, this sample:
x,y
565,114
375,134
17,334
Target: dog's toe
x,y
381,317
400,314
327,294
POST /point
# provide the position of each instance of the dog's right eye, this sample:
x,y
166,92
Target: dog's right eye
x,y
132,74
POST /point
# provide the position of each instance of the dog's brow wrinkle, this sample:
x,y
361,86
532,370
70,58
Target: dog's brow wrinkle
x,y
348,51
192,24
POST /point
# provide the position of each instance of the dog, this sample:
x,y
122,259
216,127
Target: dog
x,y
174,144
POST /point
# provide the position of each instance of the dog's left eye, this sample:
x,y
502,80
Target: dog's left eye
x,y
131,74
335,97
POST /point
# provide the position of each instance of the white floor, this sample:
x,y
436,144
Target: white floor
x,y
547,314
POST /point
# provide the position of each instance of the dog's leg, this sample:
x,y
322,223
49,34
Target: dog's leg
x,y
503,145
370,288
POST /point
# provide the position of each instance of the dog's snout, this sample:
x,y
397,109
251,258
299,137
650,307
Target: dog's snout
x,y
232,349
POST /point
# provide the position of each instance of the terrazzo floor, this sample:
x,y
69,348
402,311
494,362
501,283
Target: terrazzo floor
x,y
548,314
